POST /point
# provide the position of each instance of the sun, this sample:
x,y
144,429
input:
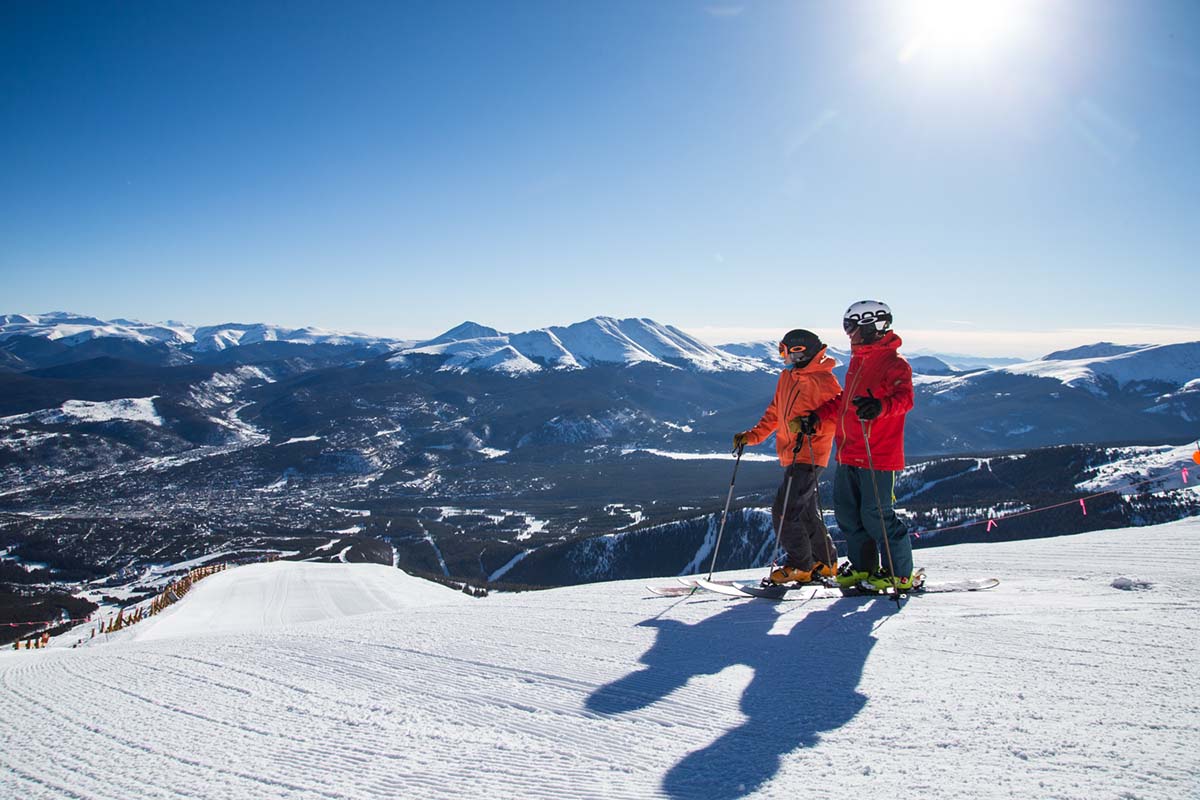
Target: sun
x,y
960,29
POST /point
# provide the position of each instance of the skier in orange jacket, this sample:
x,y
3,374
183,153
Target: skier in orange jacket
x,y
805,384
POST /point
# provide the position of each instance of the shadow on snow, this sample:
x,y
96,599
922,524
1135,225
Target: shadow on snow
x,y
805,682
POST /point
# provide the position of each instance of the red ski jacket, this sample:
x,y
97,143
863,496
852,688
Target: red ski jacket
x,y
880,369
798,392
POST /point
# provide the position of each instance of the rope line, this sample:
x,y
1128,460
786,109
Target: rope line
x,y
993,521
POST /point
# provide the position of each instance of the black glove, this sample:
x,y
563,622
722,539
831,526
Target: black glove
x,y
868,408
806,424
739,440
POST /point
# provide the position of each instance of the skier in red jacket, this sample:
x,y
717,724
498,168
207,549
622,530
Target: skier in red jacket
x,y
870,411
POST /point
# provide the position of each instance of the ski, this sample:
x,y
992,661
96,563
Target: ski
x,y
820,591
687,586
795,592
695,581
964,585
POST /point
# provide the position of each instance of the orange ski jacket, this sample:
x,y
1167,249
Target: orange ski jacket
x,y
879,368
798,392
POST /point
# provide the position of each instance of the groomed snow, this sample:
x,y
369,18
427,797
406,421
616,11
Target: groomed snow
x,y
260,597
1075,678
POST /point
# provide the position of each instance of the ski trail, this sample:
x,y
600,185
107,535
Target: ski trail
x,y
338,682
512,562
436,550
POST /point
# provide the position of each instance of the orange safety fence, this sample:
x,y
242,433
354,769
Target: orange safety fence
x,y
124,617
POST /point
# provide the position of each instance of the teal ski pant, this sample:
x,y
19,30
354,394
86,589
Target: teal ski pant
x,y
858,515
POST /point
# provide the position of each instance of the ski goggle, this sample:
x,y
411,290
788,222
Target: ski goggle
x,y
867,318
794,353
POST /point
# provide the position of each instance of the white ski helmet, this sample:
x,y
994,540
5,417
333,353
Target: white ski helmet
x,y
868,313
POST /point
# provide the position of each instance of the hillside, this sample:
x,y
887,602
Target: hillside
x,y
1070,680
536,457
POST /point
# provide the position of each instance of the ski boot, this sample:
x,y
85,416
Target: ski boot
x,y
881,581
785,574
848,576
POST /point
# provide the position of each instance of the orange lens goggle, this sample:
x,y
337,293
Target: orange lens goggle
x,y
784,350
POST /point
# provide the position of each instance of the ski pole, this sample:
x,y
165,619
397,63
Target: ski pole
x,y
830,547
725,513
887,545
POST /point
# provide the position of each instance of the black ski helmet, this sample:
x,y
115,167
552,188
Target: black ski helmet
x,y
798,347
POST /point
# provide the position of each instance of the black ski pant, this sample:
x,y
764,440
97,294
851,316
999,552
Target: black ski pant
x,y
803,535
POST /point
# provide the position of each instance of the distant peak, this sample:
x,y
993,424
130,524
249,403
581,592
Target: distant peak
x,y
68,316
1097,350
463,332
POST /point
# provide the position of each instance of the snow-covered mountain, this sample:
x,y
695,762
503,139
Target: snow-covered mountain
x,y
1068,680
41,340
73,329
1173,365
220,337
593,342
1159,373
30,341
1102,369
1097,350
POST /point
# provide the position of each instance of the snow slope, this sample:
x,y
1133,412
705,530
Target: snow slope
x,y
1153,468
1076,678
260,597
132,409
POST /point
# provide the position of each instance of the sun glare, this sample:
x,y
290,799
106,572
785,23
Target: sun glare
x,y
960,29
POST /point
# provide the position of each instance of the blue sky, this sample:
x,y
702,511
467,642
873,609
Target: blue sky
x,y
1010,181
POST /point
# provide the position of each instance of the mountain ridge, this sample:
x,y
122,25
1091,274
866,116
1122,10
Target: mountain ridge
x,y
591,342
